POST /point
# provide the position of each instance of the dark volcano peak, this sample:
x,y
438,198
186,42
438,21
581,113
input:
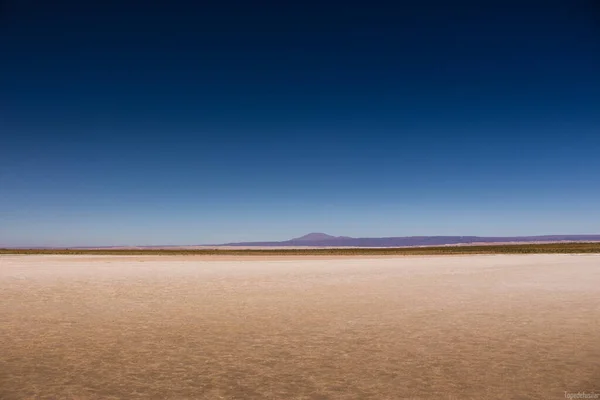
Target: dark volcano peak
x,y
316,236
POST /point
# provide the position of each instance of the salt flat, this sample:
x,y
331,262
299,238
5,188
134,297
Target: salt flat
x,y
460,327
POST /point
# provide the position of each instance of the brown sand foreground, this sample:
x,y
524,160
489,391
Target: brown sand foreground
x,y
462,327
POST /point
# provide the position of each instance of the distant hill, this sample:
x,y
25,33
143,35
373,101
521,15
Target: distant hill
x,y
316,236
324,240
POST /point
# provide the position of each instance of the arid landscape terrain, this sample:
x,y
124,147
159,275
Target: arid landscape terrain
x,y
289,327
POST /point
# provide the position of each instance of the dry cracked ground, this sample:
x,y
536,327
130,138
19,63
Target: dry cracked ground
x,y
147,327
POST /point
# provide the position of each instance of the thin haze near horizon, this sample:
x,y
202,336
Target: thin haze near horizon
x,y
172,123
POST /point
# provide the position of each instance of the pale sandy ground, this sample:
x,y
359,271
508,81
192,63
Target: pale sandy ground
x,y
462,327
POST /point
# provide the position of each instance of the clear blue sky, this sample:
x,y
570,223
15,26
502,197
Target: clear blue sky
x,y
170,123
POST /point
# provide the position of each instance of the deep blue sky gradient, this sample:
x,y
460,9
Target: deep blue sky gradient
x,y
171,123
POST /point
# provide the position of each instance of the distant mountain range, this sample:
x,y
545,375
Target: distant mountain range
x,y
324,240
317,239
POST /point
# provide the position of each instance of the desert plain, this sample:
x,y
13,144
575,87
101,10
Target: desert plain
x,y
210,327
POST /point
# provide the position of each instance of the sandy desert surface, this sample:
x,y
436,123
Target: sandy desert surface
x,y
461,327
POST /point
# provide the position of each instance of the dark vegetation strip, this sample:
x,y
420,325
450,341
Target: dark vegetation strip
x,y
545,248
